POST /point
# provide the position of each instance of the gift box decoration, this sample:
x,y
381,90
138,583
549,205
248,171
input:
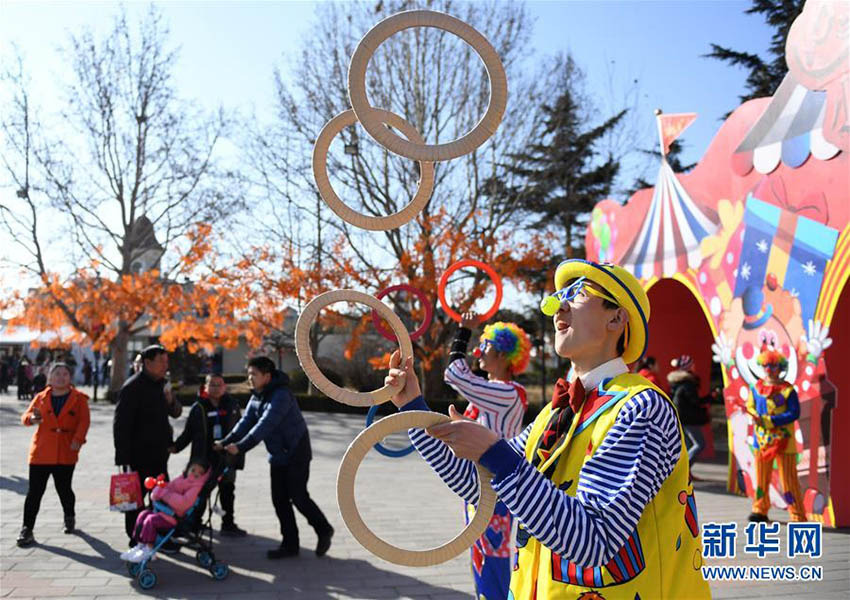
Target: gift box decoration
x,y
791,247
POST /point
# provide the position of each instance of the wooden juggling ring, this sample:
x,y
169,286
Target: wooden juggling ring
x,y
345,212
311,369
371,118
348,507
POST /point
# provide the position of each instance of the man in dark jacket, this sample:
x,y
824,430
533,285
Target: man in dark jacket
x,y
140,428
273,416
693,413
210,418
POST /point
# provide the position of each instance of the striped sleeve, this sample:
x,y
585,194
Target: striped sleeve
x,y
614,486
485,394
458,473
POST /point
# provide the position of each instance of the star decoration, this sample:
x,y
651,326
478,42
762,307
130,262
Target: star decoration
x,y
810,269
745,271
762,246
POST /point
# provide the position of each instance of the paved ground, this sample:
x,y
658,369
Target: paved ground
x,y
399,498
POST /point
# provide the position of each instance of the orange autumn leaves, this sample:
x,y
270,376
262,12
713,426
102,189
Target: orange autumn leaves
x,y
211,300
192,306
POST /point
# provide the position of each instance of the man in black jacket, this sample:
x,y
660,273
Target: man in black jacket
x,y
140,428
211,418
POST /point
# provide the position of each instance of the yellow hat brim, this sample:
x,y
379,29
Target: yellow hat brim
x,y
624,288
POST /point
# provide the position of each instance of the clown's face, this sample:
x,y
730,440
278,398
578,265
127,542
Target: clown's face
x,y
749,344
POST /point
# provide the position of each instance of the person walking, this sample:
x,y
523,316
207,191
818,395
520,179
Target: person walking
x,y
273,417
141,432
87,372
693,413
61,414
212,417
4,375
24,379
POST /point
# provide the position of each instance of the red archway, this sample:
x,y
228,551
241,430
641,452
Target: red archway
x,y
678,325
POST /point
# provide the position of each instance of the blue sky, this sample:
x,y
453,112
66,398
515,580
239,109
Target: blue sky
x,y
229,49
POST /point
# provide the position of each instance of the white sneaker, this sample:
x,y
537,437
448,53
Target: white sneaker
x,y
147,554
126,555
137,554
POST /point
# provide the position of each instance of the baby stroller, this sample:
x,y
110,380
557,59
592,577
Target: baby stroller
x,y
192,531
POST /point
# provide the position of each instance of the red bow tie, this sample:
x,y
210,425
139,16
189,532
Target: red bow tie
x,y
568,394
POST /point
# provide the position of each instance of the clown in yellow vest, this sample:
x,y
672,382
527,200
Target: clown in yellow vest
x,y
599,482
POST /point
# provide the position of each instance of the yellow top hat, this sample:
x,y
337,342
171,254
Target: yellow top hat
x,y
624,288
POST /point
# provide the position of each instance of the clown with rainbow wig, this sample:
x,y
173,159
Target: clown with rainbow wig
x,y
774,406
499,403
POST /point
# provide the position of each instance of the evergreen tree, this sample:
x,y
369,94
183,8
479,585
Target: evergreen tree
x,y
564,174
673,159
765,73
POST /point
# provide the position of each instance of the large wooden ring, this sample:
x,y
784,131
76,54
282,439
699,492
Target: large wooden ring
x,y
311,369
426,304
371,119
491,272
348,507
348,214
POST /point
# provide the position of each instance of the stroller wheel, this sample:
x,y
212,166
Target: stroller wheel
x,y
147,579
133,568
204,558
220,571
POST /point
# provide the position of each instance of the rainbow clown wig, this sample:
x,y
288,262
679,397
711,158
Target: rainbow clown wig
x,y
773,358
511,340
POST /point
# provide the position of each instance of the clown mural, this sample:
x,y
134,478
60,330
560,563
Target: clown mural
x,y
774,407
753,248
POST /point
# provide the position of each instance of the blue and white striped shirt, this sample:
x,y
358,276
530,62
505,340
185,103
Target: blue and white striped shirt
x,y
499,405
628,468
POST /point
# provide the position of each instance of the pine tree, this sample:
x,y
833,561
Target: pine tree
x,y
765,73
673,159
564,175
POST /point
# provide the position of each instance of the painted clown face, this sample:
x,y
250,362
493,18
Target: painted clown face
x,y
749,343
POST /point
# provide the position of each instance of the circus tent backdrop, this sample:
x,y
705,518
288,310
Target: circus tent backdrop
x,y
760,226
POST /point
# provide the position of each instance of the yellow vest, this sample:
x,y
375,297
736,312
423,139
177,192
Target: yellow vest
x,y
661,559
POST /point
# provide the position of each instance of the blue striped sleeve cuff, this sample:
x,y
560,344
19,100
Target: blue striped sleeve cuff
x,y
417,403
501,460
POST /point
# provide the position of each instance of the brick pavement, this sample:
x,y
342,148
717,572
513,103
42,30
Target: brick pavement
x,y
86,565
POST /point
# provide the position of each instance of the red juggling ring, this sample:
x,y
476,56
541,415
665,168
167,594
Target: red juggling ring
x,y
426,322
494,277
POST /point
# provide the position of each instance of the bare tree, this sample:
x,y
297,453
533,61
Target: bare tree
x,y
438,84
126,159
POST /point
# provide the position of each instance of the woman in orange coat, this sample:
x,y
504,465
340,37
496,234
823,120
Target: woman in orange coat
x,y
62,416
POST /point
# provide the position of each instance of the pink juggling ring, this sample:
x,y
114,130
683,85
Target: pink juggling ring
x,y
426,322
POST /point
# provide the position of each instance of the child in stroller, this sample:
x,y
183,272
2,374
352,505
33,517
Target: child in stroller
x,y
178,509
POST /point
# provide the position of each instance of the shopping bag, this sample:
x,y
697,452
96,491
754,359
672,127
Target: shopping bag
x,y
125,492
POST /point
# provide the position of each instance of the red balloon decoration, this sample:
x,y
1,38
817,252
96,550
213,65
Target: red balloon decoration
x,y
150,483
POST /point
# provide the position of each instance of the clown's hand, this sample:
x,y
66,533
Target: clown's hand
x,y
817,341
403,379
722,350
466,438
